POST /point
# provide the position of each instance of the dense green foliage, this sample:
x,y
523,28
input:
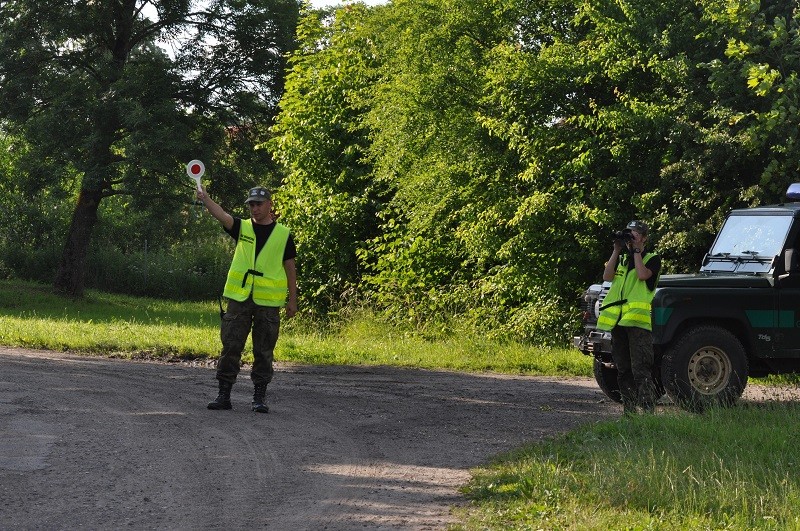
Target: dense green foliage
x,y
451,164
506,140
329,196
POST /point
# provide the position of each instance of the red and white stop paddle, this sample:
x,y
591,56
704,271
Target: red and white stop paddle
x,y
195,169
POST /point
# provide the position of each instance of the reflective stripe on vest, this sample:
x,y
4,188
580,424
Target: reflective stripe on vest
x,y
628,302
263,276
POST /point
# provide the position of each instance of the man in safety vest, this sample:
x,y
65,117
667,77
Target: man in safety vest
x,y
260,281
626,313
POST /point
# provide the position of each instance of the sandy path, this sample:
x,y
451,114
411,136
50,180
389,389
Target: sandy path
x,y
101,443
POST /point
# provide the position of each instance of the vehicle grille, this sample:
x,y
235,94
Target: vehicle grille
x,y
600,299
593,299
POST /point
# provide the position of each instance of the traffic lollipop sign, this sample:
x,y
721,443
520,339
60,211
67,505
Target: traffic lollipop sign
x,y
195,169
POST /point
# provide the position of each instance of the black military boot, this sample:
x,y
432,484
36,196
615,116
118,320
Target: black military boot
x,y
259,403
223,400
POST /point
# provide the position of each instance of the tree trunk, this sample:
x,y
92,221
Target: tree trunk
x,y
71,273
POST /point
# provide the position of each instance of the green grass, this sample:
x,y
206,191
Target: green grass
x,y
32,316
101,323
363,341
732,468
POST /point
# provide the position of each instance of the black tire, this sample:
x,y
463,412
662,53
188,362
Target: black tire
x,y
606,378
705,367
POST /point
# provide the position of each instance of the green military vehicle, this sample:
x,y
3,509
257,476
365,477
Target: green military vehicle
x,y
738,317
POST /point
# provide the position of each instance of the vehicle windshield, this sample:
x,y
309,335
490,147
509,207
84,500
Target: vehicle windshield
x,y
752,236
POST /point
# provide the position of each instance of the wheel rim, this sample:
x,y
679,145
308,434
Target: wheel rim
x,y
709,370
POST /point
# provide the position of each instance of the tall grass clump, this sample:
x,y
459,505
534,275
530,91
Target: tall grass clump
x,y
184,271
31,262
731,468
362,337
172,250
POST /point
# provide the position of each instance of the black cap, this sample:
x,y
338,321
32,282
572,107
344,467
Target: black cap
x,y
638,226
259,193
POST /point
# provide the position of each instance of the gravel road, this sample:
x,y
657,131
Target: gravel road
x,y
100,443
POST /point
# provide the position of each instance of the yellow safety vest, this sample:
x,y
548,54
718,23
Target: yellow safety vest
x,y
263,276
629,300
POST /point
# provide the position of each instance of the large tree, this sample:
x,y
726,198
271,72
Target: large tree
x,y
440,237
508,138
118,93
321,142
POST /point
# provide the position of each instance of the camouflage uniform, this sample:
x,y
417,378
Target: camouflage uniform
x,y
236,325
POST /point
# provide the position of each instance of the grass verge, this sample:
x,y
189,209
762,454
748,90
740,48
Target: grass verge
x,y
734,469
110,324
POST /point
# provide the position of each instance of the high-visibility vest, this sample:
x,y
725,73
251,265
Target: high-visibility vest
x,y
263,276
629,300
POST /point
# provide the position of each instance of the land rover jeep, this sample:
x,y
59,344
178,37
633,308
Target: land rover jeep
x,y
739,316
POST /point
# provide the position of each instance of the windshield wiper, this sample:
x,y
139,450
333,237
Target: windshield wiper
x,y
743,255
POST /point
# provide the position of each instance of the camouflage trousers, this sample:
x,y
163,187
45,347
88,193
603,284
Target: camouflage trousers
x,y
632,350
237,323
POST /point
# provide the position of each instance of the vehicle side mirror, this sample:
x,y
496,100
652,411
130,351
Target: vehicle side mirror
x,y
790,261
789,264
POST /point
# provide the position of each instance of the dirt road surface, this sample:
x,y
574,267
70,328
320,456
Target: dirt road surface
x,y
101,443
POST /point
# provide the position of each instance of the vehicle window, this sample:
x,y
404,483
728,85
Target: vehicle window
x,y
752,236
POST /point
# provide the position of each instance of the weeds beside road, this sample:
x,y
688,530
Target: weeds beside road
x,y
734,469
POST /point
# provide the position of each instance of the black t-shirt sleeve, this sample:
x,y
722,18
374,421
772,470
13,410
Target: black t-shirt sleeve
x,y
654,265
290,251
234,230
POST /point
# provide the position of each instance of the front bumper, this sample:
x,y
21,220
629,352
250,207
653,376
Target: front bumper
x,y
593,342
